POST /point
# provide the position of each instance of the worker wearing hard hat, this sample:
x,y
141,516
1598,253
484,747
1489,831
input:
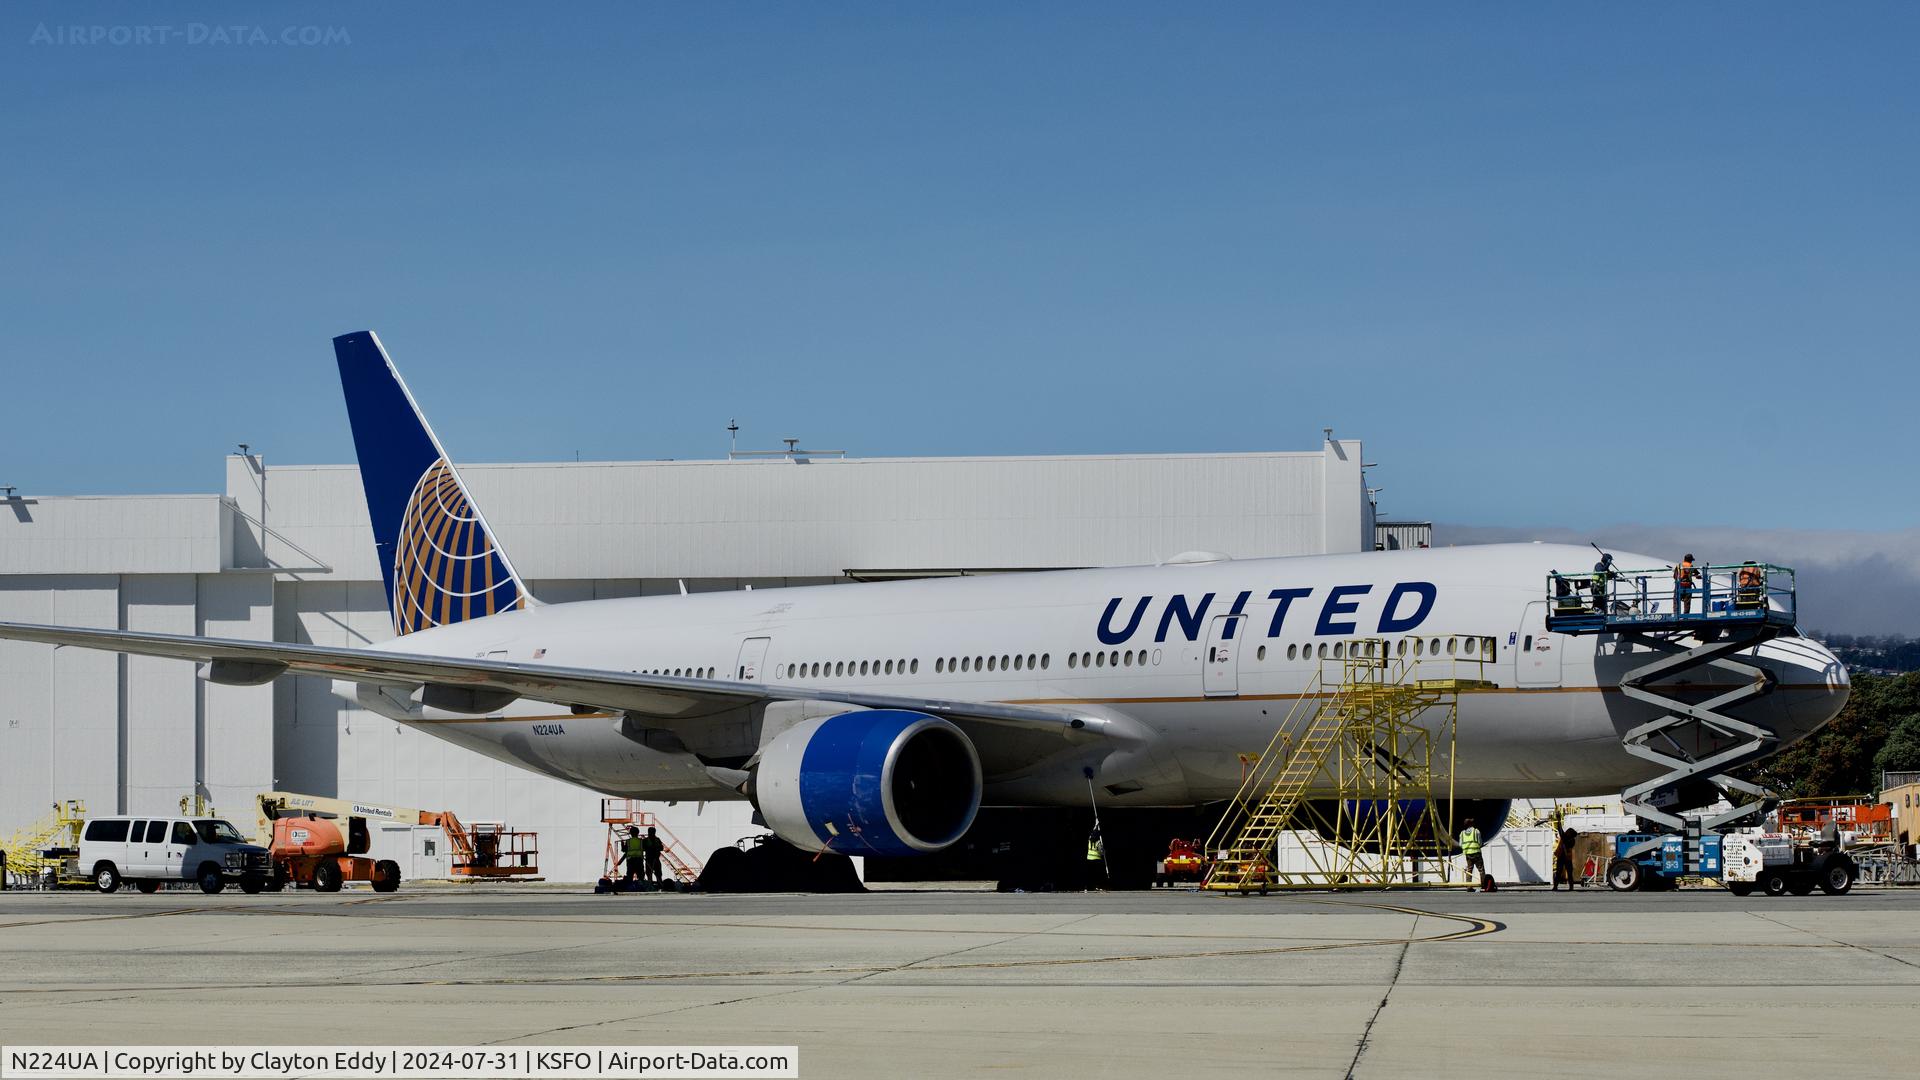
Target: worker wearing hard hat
x,y
1683,576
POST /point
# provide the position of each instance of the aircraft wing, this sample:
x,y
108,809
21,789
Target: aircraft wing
x,y
668,699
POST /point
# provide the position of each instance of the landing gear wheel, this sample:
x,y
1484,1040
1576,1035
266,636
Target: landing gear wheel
x,y
1624,875
147,887
252,884
210,880
106,877
327,876
1837,880
1774,883
1740,888
386,876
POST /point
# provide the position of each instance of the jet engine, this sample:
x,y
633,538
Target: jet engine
x,y
873,782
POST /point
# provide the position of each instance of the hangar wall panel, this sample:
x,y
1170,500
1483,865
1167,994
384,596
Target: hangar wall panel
x,y
160,697
237,721
124,534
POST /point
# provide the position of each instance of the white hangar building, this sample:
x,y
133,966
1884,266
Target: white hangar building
x,y
286,554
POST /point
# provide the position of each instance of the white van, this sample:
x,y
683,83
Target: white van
x,y
149,850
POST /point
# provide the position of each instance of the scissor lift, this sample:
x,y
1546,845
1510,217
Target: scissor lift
x,y
1725,611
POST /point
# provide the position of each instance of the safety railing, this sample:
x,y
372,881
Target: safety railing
x,y
1758,593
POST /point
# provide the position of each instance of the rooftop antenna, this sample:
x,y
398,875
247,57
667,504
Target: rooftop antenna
x,y
8,490
1327,433
244,447
792,445
733,438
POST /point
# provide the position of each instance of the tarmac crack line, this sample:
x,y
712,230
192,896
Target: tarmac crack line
x,y
968,949
1366,1033
1834,940
854,978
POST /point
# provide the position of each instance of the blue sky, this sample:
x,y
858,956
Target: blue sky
x,y
1571,266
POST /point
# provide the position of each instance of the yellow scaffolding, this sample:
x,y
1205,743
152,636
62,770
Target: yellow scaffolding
x,y
1354,762
27,861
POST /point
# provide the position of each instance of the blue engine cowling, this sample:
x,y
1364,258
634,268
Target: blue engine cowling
x,y
874,782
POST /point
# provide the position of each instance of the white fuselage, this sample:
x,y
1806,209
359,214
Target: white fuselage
x,y
1192,692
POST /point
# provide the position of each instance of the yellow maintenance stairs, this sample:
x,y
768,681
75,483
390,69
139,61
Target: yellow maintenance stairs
x,y
27,860
1364,762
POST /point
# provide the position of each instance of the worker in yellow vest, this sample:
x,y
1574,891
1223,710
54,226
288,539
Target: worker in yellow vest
x,y
1096,859
634,852
1470,847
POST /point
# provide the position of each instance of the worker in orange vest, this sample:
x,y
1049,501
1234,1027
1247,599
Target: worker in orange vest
x,y
1683,576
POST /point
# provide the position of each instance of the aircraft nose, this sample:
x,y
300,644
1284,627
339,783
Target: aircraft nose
x,y
1815,681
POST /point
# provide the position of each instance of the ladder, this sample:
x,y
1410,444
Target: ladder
x,y
675,857
1246,862
26,850
1364,733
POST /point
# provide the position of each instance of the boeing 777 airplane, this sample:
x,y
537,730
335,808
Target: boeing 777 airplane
x,y
877,719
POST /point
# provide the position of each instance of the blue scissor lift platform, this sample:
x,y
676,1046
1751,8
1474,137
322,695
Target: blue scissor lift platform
x,y
1701,621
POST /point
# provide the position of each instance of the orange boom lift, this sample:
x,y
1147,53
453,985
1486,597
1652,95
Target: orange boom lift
x,y
305,843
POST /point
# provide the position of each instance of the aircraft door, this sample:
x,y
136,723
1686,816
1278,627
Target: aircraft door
x,y
753,656
1220,664
1536,653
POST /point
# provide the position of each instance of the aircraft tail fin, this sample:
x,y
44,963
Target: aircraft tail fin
x,y
439,560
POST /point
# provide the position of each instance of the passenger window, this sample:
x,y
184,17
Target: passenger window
x,y
1045,660
156,832
979,663
1099,659
1337,647
1527,645
108,832
182,833
137,831
914,668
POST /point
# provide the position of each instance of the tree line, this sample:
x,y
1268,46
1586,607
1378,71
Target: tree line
x,y
1878,731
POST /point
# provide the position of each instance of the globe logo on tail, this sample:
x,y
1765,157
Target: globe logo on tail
x,y
445,567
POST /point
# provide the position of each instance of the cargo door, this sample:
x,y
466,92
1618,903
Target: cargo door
x,y
1220,663
1536,653
753,656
